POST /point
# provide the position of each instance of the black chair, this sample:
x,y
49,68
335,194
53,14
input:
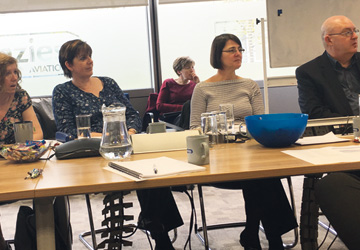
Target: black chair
x,y
151,114
43,110
175,120
205,228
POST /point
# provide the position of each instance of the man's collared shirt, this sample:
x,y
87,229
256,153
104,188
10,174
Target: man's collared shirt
x,y
350,81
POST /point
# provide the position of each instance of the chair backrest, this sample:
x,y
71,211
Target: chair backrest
x,y
185,115
145,143
180,119
44,112
151,113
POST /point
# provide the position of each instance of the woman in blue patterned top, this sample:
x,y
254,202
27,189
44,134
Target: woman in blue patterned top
x,y
85,94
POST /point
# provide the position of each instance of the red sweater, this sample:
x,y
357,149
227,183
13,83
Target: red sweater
x,y
172,96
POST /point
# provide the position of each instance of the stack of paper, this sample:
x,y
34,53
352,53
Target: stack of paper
x,y
327,155
328,138
152,168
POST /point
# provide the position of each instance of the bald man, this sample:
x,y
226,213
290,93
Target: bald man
x,y
329,86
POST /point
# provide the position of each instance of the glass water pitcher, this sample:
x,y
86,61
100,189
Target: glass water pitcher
x,y
115,141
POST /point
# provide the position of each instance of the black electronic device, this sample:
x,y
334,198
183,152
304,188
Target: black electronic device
x,y
63,137
337,125
78,148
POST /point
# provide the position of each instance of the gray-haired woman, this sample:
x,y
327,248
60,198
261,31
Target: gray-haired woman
x,y
175,92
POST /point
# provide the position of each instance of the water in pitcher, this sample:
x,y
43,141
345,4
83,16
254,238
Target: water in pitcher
x,y
115,141
115,152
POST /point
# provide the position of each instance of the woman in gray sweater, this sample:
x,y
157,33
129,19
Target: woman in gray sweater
x,y
265,199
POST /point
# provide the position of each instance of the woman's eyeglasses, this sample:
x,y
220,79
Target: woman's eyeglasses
x,y
234,50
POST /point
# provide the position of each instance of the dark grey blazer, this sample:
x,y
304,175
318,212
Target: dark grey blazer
x,y
320,93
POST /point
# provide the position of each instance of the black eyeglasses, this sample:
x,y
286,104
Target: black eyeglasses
x,y
349,33
234,50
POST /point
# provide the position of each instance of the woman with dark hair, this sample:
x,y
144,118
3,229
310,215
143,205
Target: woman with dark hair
x,y
85,94
15,102
265,199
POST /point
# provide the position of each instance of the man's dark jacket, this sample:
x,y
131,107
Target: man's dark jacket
x,y
320,92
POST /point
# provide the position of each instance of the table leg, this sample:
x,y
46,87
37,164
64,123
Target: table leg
x,y
45,224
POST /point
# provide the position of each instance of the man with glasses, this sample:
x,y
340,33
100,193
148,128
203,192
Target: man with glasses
x,y
329,86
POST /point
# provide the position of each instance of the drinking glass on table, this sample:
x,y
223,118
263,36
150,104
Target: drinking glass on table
x,y
83,126
209,127
221,125
228,108
23,131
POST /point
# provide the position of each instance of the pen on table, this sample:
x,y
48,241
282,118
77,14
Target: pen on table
x,y
155,169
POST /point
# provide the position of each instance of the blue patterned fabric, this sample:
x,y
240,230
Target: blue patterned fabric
x,y
20,103
69,101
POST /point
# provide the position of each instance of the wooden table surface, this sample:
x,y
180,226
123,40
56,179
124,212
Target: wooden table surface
x,y
228,162
13,185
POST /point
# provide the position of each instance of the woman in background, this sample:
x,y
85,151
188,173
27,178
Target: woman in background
x,y
175,92
265,199
15,102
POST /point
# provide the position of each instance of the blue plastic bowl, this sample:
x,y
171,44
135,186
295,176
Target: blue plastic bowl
x,y
276,130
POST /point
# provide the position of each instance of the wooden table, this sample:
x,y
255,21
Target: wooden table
x,y
13,185
228,162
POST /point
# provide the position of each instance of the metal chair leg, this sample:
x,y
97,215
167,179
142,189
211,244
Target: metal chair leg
x,y
292,201
175,236
173,239
205,228
204,239
92,228
326,227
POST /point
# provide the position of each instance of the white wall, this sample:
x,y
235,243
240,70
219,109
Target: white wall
x,y
119,38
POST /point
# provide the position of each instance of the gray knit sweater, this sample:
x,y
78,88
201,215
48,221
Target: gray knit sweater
x,y
243,93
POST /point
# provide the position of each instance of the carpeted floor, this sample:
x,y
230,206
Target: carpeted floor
x,y
221,206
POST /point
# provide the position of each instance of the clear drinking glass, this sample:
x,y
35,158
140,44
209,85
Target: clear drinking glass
x,y
228,108
23,131
221,125
83,126
209,127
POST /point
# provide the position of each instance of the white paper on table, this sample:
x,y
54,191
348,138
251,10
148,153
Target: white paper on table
x,y
165,166
327,138
327,155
